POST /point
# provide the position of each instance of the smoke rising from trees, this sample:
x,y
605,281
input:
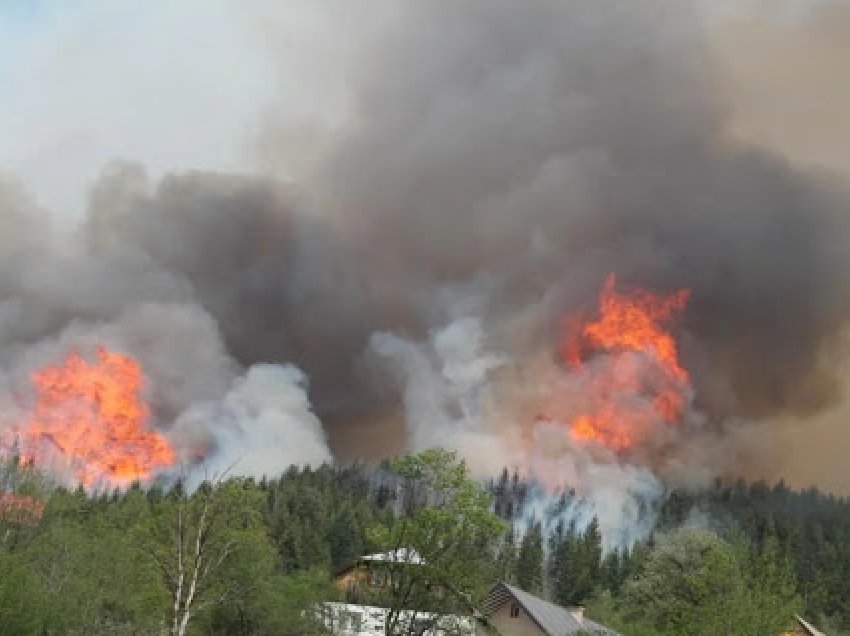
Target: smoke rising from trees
x,y
493,162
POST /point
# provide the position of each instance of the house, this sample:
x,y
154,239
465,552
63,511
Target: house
x,y
510,611
373,571
346,619
362,583
507,610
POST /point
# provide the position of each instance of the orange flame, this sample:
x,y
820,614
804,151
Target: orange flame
x,y
640,380
93,416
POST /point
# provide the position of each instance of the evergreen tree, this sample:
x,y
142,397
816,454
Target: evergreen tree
x,y
344,538
529,569
591,554
612,572
506,560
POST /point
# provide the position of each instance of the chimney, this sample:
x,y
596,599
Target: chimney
x,y
578,613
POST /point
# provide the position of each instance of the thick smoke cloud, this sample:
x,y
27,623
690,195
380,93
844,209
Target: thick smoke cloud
x,y
493,163
146,297
276,281
551,142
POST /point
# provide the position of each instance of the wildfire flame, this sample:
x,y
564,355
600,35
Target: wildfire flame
x,y
629,366
93,416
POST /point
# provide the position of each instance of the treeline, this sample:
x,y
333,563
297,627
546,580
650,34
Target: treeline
x,y
810,528
796,542
125,562
235,556
108,564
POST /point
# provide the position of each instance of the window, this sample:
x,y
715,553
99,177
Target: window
x,y
377,577
514,610
350,621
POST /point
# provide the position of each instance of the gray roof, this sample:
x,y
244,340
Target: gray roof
x,y
810,629
552,619
408,556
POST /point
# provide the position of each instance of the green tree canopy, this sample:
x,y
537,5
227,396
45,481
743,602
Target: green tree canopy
x,y
693,582
445,534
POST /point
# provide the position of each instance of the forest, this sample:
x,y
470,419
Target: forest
x,y
245,556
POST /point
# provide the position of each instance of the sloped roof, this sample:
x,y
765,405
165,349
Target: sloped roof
x,y
553,619
404,556
401,555
809,628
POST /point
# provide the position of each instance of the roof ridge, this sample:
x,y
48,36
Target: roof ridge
x,y
808,626
553,619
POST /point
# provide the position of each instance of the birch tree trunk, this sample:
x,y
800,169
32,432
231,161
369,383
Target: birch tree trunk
x,y
200,545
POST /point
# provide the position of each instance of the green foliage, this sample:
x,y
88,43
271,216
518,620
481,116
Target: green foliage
x,y
690,582
446,536
693,582
344,538
25,603
284,605
505,564
811,531
84,555
93,564
575,565
529,565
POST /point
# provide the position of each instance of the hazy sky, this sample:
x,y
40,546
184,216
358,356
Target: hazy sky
x,y
175,85
185,85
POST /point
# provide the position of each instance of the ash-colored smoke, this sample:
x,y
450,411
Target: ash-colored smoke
x,y
445,391
101,289
458,395
549,143
262,423
622,498
537,146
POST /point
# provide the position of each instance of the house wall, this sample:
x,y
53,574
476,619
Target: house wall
x,y
508,625
354,577
344,619
361,577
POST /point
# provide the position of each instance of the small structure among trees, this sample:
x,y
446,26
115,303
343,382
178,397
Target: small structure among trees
x,y
369,620
373,573
511,611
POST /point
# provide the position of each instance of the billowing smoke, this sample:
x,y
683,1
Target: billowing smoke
x,y
445,390
546,144
262,423
551,143
458,396
491,163
151,296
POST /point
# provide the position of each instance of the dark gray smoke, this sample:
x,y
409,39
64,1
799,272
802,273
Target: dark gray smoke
x,y
276,281
498,155
548,143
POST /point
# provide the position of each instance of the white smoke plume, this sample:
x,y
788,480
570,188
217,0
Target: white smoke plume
x,y
457,395
445,389
264,422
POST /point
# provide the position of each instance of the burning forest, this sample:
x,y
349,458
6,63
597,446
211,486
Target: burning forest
x,y
644,367
540,243
598,247
93,417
